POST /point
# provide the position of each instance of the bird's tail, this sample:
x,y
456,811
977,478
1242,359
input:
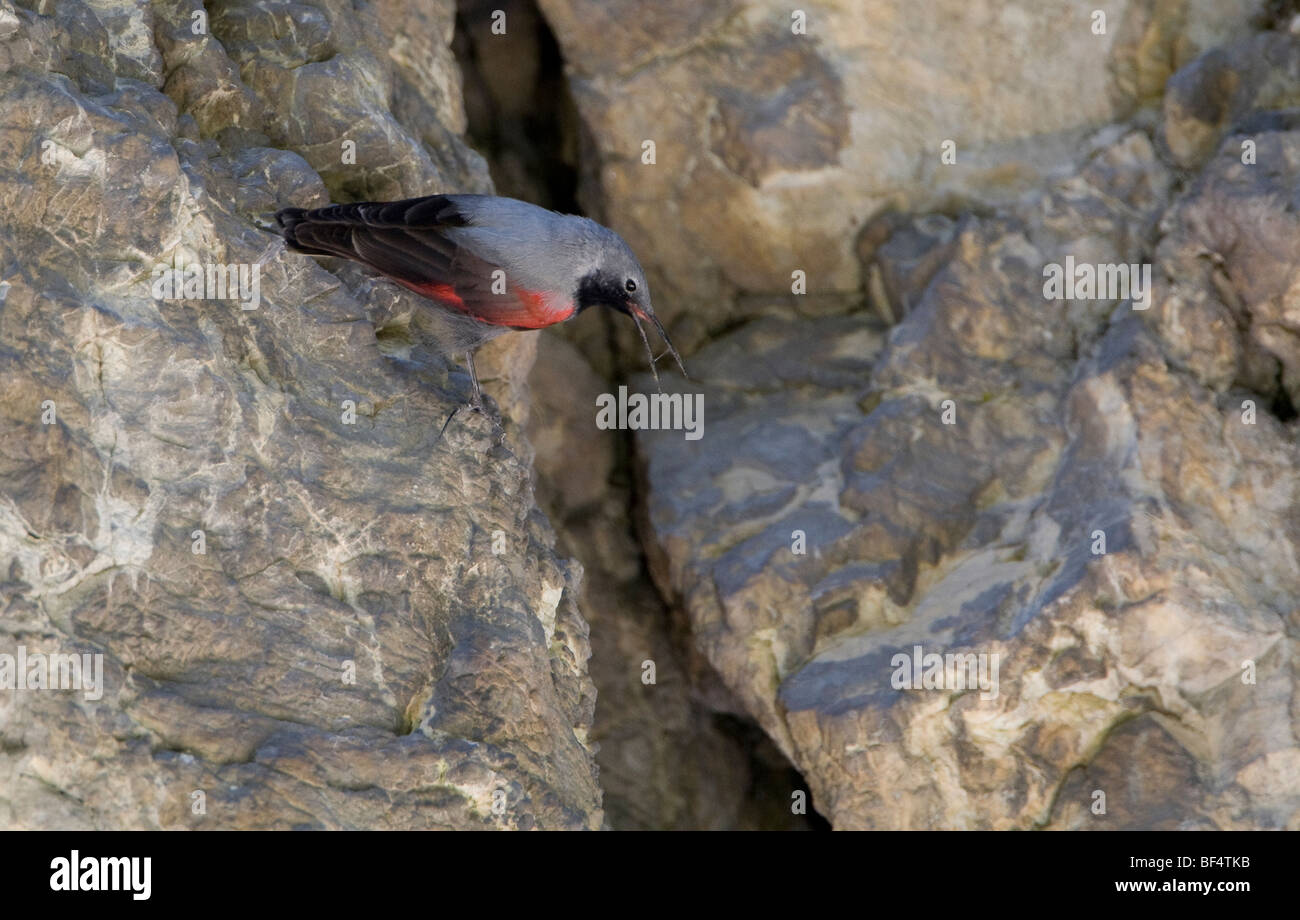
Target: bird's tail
x,y
327,239
288,220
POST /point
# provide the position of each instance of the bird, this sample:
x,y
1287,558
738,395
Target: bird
x,y
486,264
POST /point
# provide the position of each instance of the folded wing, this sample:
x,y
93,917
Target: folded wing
x,y
414,243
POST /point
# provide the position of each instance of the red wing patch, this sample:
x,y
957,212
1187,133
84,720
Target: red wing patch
x,y
520,309
446,294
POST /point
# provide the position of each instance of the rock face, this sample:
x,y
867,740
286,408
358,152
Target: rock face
x,y
311,611
966,546
780,129
1101,498
1093,497
667,759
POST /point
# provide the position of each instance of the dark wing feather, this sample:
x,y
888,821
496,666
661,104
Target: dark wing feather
x,y
407,241
401,239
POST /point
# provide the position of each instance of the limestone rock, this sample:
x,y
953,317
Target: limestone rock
x,y
312,612
1230,252
1207,97
779,133
667,759
1070,486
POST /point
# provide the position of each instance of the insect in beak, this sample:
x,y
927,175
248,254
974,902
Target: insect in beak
x,y
639,314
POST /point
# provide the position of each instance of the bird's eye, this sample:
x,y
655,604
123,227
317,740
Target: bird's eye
x,y
630,285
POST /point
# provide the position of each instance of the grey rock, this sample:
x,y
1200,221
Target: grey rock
x,y
781,130
312,612
949,491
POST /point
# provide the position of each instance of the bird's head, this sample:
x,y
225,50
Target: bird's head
x,y
617,282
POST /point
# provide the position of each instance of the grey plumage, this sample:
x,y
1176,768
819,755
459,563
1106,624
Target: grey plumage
x,y
486,264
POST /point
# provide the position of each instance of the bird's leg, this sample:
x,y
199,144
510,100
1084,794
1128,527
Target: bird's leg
x,y
476,401
476,396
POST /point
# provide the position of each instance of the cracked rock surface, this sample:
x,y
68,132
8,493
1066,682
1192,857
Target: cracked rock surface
x,y
311,612
1097,495
779,129
924,450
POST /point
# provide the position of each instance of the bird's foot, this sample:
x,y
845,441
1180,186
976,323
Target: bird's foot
x,y
478,406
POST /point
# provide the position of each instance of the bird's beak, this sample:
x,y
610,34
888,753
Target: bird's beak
x,y
634,310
